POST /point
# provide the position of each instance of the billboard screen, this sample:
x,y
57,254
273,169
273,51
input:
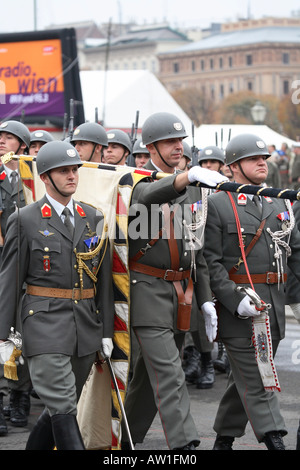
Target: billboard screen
x,y
39,75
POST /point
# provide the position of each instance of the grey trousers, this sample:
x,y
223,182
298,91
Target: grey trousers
x,y
58,380
158,385
245,398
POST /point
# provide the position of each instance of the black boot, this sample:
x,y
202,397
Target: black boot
x,y
19,408
41,437
223,443
298,438
221,363
273,440
3,425
190,446
66,432
207,376
192,367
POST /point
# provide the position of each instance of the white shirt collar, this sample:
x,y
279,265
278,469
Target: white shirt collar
x,y
60,207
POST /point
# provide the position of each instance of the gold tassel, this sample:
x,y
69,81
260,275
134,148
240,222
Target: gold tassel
x,y
10,366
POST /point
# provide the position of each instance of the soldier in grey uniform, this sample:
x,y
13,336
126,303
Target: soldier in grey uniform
x,y
246,398
140,153
67,310
90,139
118,149
166,293
14,137
38,138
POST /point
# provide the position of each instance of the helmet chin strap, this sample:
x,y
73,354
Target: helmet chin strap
x,y
54,185
247,177
93,151
170,166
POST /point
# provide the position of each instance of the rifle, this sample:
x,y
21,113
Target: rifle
x,y
71,122
194,149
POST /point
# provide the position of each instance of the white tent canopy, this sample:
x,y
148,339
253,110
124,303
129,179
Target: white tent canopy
x,y
118,95
219,134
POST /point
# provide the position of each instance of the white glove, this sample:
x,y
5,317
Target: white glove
x,y
210,320
203,175
246,308
107,347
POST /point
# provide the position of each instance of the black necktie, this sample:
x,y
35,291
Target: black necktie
x,y
14,179
66,212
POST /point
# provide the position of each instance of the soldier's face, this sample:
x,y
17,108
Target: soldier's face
x,y
170,149
65,180
251,169
141,159
9,143
115,154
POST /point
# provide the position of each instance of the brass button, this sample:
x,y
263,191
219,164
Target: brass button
x,y
31,312
46,248
75,302
76,284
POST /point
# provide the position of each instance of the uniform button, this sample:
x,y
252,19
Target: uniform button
x,y
75,301
46,248
185,253
75,266
180,269
76,284
133,281
271,246
31,312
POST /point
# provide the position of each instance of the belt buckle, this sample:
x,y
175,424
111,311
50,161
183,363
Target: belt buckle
x,y
75,292
166,274
268,280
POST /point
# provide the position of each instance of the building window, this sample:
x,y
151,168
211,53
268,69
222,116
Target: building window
x,y
221,92
249,59
193,66
250,86
230,87
211,63
221,63
285,58
176,67
286,88
202,64
230,61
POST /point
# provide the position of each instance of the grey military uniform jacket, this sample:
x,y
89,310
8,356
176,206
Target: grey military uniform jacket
x,y
46,258
222,252
154,300
292,285
10,198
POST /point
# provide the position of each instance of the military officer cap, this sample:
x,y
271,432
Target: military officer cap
x,y
117,136
18,129
56,154
90,132
211,153
41,136
160,126
243,146
139,147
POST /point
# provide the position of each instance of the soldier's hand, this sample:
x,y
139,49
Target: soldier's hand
x,y
107,347
246,308
210,320
203,175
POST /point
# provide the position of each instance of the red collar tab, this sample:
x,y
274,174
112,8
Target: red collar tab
x,y
80,210
46,211
2,175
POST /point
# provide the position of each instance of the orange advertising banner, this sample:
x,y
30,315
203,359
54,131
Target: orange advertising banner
x,y
31,76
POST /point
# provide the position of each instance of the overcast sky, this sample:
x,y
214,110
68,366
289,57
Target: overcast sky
x,y
18,15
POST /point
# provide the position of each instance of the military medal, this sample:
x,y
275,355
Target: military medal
x,y
285,218
242,200
46,263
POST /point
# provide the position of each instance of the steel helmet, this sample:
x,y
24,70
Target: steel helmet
x,y
243,146
41,136
139,147
91,132
55,155
18,129
160,126
117,136
187,151
211,153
